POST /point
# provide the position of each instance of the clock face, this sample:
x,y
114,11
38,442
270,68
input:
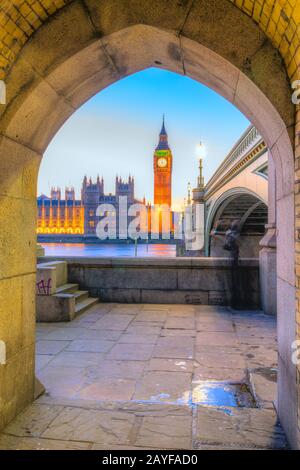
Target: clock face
x,y
162,162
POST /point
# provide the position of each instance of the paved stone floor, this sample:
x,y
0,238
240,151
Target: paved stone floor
x,y
153,377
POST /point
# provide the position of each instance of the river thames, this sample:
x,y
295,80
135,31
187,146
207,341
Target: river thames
x,y
109,250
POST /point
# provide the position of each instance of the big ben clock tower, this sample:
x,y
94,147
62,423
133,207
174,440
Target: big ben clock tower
x,y
162,165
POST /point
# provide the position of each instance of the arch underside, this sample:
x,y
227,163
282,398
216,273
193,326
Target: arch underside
x,y
252,214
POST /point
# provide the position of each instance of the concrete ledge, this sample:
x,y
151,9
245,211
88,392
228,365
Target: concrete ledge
x,y
148,262
206,281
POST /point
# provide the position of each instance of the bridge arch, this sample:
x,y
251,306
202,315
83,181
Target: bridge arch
x,y
242,204
61,66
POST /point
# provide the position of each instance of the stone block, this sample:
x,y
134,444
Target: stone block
x,y
209,68
13,246
287,403
16,375
61,269
204,279
259,111
174,297
268,279
206,22
283,155
34,125
286,239
116,15
17,313
129,49
58,38
218,297
131,278
55,308
45,280
117,295
286,325
23,164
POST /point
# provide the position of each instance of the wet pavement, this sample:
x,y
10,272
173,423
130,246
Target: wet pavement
x,y
154,377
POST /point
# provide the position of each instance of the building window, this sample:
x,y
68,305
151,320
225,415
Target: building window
x,y
92,223
91,212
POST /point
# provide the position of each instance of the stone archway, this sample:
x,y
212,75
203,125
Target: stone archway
x,y
60,68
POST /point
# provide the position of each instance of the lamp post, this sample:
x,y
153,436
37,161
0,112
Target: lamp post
x,y
194,229
198,192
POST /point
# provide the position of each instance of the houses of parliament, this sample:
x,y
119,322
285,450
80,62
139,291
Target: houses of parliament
x,y
67,215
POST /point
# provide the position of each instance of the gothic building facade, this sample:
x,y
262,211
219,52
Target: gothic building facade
x,y
79,216
68,215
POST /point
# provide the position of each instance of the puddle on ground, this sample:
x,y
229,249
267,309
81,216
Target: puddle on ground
x,y
221,394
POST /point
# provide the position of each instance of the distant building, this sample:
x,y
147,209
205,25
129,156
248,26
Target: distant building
x,y
93,195
56,215
71,216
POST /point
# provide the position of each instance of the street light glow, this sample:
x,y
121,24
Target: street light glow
x,y
200,150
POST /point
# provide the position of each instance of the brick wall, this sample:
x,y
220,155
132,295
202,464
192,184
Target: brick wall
x,y
279,19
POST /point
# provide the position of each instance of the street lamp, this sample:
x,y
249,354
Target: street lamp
x,y
200,151
189,194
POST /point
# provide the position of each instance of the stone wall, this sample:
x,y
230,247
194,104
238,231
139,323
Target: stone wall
x,y
248,244
181,281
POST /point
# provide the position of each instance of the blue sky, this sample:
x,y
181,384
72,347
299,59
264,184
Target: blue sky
x,y
117,131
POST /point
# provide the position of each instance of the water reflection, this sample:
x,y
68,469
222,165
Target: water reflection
x,y
109,250
223,394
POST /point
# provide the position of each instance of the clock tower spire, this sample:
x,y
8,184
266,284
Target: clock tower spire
x,y
162,165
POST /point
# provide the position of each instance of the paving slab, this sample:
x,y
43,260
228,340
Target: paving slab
x,y
63,381
144,328
112,368
50,347
221,374
158,386
90,345
170,365
138,339
174,347
244,428
113,322
33,421
80,359
65,334
110,335
96,426
152,316
133,352
217,339
27,443
108,388
41,360
167,432
180,323
219,359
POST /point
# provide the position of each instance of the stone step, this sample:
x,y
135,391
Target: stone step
x,y
67,289
82,306
61,272
80,295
